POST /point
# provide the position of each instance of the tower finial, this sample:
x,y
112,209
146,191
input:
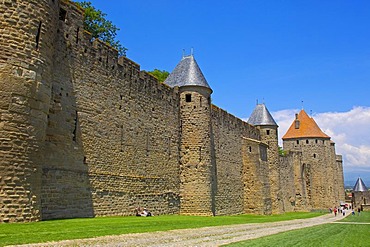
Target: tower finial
x,y
302,104
257,101
183,53
192,51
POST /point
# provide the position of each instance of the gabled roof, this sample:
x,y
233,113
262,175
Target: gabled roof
x,y
187,73
360,185
304,126
261,116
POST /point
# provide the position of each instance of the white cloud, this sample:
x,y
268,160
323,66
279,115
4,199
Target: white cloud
x,y
349,130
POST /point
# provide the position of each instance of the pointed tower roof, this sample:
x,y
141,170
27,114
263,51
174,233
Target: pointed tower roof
x,y
261,116
360,185
187,73
304,126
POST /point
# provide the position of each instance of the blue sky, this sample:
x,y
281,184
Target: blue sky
x,y
280,52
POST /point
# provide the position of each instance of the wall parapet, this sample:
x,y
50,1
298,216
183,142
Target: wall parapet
x,y
233,122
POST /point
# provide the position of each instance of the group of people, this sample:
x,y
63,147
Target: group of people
x,y
339,210
342,210
142,212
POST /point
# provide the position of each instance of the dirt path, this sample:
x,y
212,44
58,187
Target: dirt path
x,y
206,236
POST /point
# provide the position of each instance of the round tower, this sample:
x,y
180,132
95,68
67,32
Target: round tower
x,y
262,119
28,31
196,145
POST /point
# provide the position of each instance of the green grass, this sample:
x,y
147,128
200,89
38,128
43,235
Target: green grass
x,y
322,235
54,230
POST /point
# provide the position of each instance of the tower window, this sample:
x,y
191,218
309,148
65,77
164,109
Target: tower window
x,y
307,141
38,35
188,97
314,155
62,14
267,132
296,124
297,141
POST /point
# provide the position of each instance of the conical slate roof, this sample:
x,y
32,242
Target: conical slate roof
x,y
360,185
261,116
187,73
304,126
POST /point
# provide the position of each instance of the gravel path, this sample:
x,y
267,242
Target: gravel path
x,y
206,236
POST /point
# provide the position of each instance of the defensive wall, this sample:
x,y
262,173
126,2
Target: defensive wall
x,y
242,173
85,133
125,123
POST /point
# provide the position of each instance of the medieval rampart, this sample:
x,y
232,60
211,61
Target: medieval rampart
x,y
84,133
121,122
242,174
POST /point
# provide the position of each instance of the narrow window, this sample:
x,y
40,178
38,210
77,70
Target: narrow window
x,y
75,129
316,141
188,97
200,100
297,141
307,141
62,14
268,132
77,33
250,149
38,35
314,155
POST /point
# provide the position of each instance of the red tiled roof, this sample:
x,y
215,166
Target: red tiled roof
x,y
307,128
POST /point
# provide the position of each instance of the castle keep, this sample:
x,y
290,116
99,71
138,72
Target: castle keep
x,y
84,133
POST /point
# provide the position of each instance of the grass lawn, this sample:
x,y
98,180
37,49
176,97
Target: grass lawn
x,y
53,230
323,235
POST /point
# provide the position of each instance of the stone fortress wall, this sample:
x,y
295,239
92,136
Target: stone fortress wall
x,y
84,133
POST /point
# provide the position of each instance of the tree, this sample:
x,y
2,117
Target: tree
x,y
282,152
96,23
161,75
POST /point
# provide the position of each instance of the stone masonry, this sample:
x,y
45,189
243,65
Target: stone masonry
x,y
85,133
